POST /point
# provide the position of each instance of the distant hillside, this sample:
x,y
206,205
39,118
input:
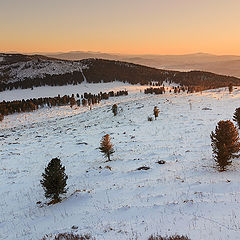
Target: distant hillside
x,y
220,64
24,71
8,59
79,55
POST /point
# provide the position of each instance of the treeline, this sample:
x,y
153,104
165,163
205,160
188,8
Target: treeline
x,y
73,78
199,80
10,107
162,90
151,90
87,99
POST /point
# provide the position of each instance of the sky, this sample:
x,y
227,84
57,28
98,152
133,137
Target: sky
x,y
120,26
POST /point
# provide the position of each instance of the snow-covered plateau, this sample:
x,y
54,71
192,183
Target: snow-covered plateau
x,y
187,195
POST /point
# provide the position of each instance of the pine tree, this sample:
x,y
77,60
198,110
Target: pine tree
x,y
225,143
72,101
106,147
230,87
155,112
115,109
236,117
54,180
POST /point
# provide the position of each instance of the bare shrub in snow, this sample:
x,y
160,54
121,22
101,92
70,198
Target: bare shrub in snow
x,y
150,119
175,237
72,236
225,143
106,147
69,236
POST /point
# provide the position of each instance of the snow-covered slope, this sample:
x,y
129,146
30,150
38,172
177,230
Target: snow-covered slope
x,y
187,195
33,68
47,91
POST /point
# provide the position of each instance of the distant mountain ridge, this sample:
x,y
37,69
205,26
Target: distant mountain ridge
x,y
79,55
28,71
220,64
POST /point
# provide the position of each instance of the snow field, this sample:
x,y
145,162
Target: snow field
x,y
187,195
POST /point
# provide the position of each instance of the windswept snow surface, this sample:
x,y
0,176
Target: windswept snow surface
x,y
187,195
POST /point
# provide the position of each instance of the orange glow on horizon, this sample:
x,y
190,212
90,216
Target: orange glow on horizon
x,y
125,27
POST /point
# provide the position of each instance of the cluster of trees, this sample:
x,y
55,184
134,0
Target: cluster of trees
x,y
162,90
88,99
151,90
155,84
10,107
225,141
103,95
118,93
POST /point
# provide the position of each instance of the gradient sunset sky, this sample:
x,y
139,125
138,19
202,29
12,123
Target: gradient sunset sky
x,y
121,26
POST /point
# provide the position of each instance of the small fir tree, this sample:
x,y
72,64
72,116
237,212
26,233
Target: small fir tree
x,y
115,109
54,180
225,143
106,147
230,87
236,117
155,112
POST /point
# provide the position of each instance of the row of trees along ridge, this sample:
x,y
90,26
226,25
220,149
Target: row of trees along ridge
x,y
11,107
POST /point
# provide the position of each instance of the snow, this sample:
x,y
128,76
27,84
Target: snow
x,y
32,69
187,195
47,91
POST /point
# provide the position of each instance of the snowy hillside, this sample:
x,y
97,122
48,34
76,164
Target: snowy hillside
x,y
47,91
187,195
27,72
34,68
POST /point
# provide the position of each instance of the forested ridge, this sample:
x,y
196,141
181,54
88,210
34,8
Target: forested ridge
x,y
54,72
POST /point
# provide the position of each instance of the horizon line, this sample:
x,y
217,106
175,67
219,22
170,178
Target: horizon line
x,y
114,53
